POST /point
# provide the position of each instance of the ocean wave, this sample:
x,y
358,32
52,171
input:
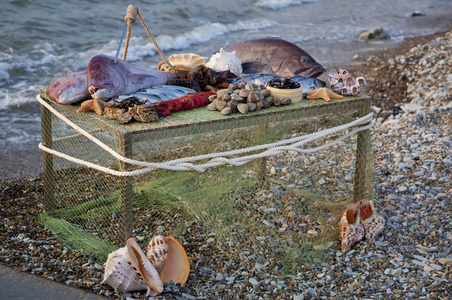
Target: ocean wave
x,y
280,4
277,4
143,46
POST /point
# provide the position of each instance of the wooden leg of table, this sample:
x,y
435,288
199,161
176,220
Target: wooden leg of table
x,y
361,172
49,183
126,189
261,163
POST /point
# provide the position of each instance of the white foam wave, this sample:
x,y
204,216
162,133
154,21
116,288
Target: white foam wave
x,y
140,47
277,4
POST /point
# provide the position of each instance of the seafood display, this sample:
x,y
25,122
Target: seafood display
x,y
323,93
360,220
128,269
70,88
224,60
243,98
342,82
275,56
107,79
351,229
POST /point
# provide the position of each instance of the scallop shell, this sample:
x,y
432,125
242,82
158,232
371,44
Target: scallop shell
x,y
224,60
351,231
188,59
127,269
182,63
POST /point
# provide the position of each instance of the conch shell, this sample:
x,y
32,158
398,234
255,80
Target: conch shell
x,y
342,82
168,255
127,269
224,60
351,231
373,222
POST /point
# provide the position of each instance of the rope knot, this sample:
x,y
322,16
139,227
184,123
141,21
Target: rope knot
x,y
131,15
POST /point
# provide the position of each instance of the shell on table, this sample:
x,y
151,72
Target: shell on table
x,y
184,62
224,60
351,231
190,60
342,82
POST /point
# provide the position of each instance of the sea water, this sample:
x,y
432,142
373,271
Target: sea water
x,y
43,40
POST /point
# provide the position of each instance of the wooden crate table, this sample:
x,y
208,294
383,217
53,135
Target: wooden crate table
x,y
202,120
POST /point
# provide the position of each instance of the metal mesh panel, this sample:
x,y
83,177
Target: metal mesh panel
x,y
271,205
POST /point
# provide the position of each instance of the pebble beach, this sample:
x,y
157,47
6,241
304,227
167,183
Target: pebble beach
x,y
412,259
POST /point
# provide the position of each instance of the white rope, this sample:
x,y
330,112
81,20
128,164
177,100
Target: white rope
x,y
216,159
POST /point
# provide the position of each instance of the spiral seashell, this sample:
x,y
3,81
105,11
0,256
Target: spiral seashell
x,y
224,60
157,252
373,222
351,231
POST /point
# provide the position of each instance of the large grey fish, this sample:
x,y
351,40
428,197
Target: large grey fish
x,y
275,56
107,79
306,83
70,88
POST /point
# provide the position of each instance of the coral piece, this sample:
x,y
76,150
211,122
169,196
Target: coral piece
x,y
322,93
127,269
373,222
351,231
94,104
224,60
342,82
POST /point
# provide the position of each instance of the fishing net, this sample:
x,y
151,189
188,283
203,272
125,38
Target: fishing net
x,y
273,210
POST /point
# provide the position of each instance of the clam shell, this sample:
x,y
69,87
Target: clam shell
x,y
243,108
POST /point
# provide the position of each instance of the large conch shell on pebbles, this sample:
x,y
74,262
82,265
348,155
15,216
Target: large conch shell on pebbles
x,y
128,269
351,231
373,222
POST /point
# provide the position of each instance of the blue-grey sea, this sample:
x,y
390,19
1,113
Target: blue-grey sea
x,y
43,40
